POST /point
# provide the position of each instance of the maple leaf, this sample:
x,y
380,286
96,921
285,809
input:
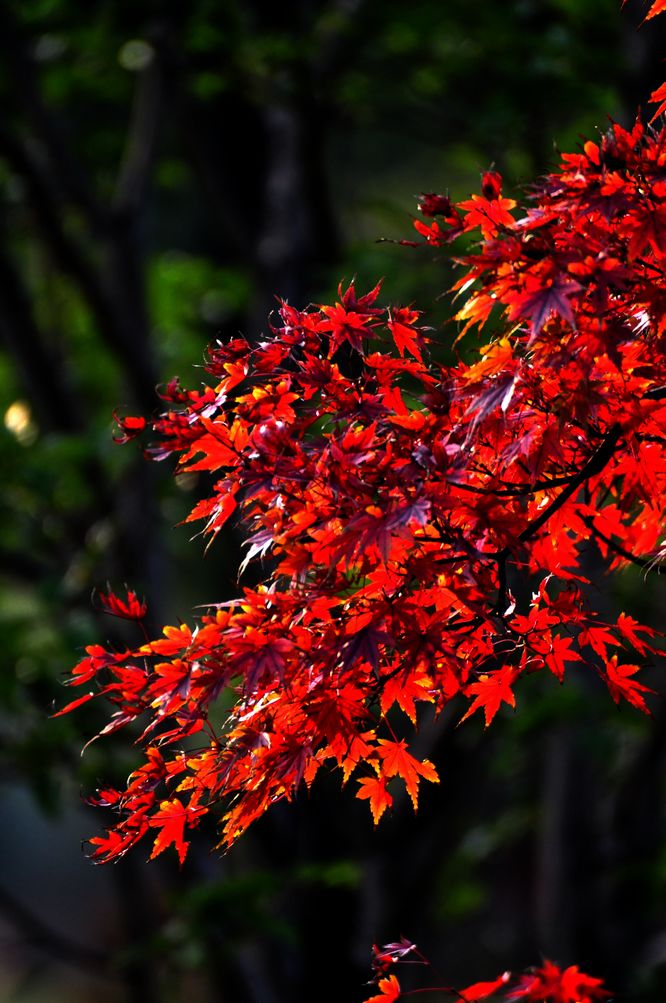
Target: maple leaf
x,y
658,96
559,655
389,991
130,608
105,797
370,529
647,227
539,302
116,842
366,302
492,689
658,7
482,990
598,638
550,983
171,819
630,628
217,509
432,232
620,684
363,646
374,790
97,658
347,326
261,656
396,761
404,689
406,336
488,214
75,703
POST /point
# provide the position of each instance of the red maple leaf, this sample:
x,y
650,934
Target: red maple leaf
x,y
131,608
488,214
658,96
490,691
406,336
630,628
550,984
539,302
560,654
620,684
170,819
482,990
647,228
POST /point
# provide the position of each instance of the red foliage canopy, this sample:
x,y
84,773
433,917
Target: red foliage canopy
x,y
394,500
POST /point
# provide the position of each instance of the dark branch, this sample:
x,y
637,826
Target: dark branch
x,y
500,602
594,465
39,369
109,305
512,492
141,140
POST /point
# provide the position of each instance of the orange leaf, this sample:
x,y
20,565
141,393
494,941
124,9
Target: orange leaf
x,y
404,689
398,762
389,991
171,819
658,7
374,789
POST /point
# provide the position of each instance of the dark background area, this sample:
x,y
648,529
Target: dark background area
x,y
165,170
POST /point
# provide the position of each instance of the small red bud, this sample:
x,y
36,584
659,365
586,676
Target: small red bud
x,y
431,204
491,185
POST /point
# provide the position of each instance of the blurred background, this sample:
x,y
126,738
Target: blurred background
x,y
165,170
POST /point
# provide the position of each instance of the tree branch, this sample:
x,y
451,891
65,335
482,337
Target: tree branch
x,y
141,140
109,306
39,370
594,465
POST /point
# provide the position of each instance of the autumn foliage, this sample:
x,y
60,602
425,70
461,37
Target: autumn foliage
x,y
421,526
546,984
394,500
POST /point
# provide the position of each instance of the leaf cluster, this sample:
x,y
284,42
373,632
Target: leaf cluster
x,y
395,501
